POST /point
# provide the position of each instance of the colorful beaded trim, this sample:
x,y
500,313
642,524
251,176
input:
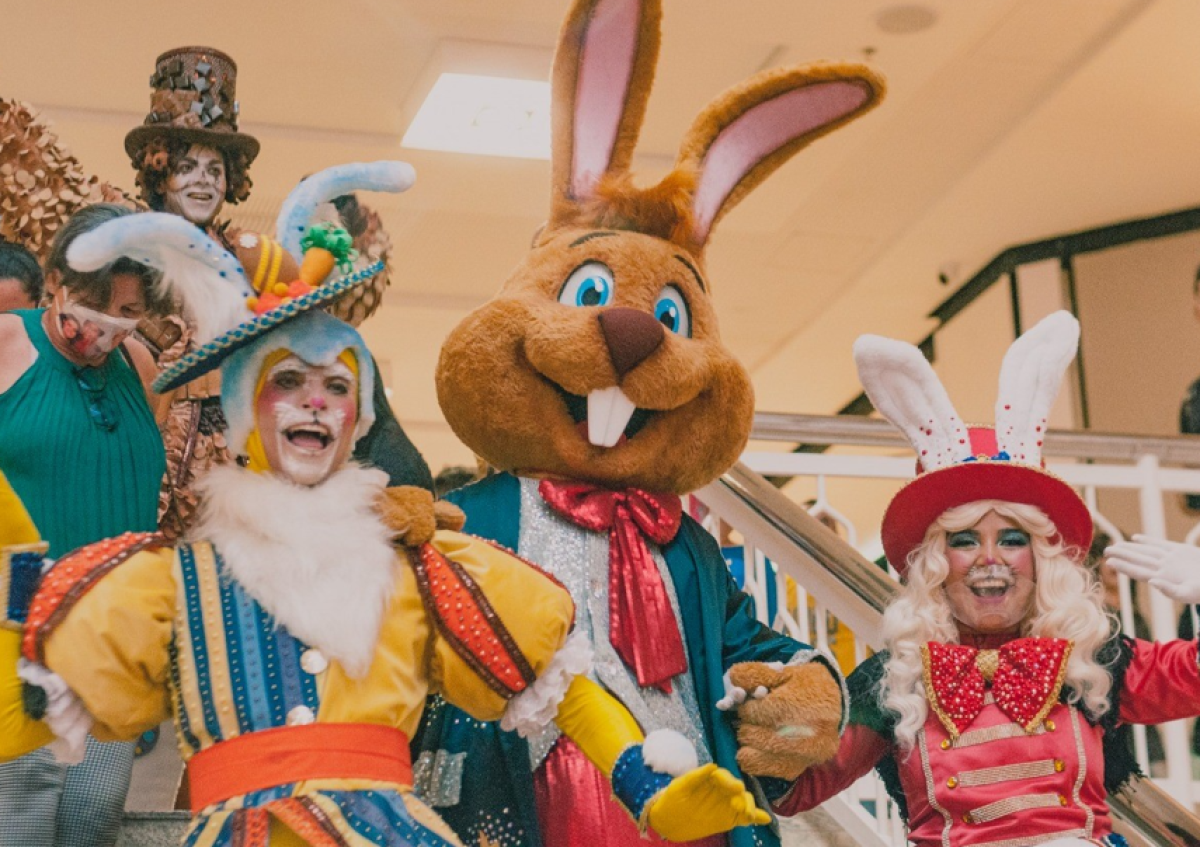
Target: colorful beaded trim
x,y
207,357
20,571
304,817
468,622
634,783
70,579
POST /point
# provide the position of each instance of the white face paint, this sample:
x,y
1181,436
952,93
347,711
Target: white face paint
x,y
196,187
306,417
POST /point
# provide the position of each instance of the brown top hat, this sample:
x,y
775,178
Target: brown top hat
x,y
194,98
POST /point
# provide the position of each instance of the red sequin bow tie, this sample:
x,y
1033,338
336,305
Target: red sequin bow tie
x,y
641,624
1026,676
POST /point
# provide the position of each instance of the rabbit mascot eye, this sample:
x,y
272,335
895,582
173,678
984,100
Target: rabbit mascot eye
x,y
597,383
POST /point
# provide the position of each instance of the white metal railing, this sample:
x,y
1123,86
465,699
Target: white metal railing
x,y
783,573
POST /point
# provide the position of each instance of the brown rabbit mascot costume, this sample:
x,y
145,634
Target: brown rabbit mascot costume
x,y
597,382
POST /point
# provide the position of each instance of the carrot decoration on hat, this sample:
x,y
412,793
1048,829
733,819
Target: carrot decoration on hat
x,y
235,299
325,247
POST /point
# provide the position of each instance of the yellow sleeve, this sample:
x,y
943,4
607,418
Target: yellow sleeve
x,y
112,648
524,618
19,733
16,527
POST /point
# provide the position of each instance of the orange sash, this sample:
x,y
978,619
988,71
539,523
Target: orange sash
x,y
270,757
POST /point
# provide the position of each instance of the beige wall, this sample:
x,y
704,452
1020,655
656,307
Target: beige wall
x,y
1141,347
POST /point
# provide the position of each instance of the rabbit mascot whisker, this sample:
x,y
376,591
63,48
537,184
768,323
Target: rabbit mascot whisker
x,y
597,383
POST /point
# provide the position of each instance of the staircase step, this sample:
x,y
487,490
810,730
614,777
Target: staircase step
x,y
165,829
153,829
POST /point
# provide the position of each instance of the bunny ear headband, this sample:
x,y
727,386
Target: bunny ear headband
x,y
959,465
232,303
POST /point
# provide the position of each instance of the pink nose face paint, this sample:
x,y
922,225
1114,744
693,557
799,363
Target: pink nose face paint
x,y
306,418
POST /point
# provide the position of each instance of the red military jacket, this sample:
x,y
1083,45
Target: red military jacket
x,y
994,781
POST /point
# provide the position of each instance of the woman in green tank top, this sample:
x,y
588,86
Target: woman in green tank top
x,y
80,446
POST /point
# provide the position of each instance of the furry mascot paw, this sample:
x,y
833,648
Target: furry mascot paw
x,y
448,516
413,515
408,511
790,721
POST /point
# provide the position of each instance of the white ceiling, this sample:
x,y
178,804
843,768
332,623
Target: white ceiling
x,y
1006,121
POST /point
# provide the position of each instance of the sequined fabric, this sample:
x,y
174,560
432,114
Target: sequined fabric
x,y
1025,677
578,558
569,781
437,777
642,627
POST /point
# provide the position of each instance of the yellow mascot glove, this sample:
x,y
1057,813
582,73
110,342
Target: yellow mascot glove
x,y
656,778
703,802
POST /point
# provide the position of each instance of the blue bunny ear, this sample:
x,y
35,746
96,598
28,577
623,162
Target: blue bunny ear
x,y
196,270
297,211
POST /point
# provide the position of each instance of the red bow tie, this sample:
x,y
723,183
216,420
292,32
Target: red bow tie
x,y
1026,676
641,626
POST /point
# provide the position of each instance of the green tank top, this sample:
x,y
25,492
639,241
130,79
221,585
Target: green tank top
x,y
80,446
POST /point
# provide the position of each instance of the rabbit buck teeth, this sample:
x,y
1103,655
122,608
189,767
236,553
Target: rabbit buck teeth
x,y
609,411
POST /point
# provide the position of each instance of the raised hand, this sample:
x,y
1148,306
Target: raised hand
x,y
703,802
1171,567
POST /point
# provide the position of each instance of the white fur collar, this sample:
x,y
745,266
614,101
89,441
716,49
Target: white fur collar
x,y
318,559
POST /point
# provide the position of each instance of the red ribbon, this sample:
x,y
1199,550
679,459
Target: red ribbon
x,y
641,626
1028,678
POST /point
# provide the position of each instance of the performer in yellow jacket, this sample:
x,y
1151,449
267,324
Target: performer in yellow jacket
x,y
295,638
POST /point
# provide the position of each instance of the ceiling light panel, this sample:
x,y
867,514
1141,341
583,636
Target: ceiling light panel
x,y
485,115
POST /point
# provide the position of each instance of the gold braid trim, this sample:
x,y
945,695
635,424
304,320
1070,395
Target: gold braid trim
x,y
932,696
1052,698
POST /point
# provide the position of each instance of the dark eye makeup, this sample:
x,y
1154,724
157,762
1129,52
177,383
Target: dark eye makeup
x,y
288,380
963,538
1014,538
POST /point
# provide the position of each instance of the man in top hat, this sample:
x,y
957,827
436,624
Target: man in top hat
x,y
191,159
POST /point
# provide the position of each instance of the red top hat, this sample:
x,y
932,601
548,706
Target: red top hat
x,y
957,465
988,474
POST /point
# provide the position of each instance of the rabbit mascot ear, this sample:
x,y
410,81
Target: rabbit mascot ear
x,y
603,72
597,375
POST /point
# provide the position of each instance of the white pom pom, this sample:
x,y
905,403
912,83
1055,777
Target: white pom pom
x,y
666,751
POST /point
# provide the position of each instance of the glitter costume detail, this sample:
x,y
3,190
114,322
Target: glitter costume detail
x,y
1025,677
579,559
70,579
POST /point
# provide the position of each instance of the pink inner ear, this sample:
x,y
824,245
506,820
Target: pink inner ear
x,y
605,68
761,131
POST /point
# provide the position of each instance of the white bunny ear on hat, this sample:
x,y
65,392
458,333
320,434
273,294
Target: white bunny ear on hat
x,y
1029,381
205,276
296,214
904,388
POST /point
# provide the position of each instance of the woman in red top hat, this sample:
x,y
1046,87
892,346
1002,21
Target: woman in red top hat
x,y
991,714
